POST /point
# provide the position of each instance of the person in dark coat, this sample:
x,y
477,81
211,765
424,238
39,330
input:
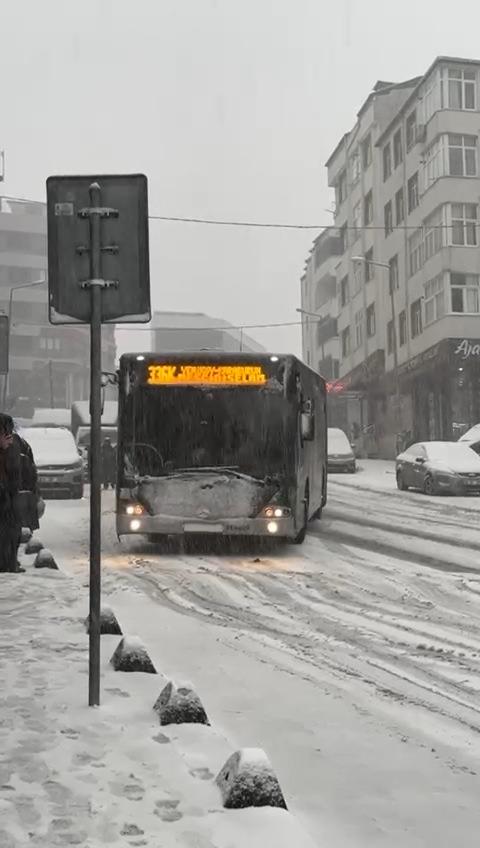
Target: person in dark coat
x,y
109,464
10,528
28,498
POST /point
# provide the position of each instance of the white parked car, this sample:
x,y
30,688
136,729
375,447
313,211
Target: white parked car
x,y
59,466
439,467
340,455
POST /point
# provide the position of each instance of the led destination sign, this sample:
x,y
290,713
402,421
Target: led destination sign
x,y
184,374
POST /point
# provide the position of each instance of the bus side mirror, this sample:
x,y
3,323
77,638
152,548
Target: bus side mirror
x,y
307,425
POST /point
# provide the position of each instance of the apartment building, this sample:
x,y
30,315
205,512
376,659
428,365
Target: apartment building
x,y
320,343
49,365
407,187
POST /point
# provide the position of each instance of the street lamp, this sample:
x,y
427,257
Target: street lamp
x,y
10,313
394,325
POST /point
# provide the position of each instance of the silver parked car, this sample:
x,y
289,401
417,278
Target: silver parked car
x,y
59,466
439,468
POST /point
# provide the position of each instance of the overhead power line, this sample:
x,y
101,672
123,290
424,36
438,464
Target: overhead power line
x,y
272,225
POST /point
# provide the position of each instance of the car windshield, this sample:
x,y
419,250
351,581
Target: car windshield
x,y
448,451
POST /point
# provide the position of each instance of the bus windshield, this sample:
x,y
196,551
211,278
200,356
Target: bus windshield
x,y
186,428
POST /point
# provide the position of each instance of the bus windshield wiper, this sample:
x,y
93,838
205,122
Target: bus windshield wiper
x,y
234,470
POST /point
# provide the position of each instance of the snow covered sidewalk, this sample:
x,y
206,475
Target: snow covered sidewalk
x,y
72,775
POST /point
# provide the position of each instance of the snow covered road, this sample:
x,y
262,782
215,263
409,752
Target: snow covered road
x,y
354,661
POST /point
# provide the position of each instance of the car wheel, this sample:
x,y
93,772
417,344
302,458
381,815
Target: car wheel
x,y
352,468
429,487
401,482
77,493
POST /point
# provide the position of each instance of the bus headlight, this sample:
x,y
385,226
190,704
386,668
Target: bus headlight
x,y
134,509
272,527
135,525
276,512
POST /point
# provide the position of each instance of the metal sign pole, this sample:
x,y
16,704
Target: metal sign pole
x,y
96,285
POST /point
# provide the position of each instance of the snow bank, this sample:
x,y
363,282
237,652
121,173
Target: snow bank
x,y
34,546
45,559
248,780
108,623
131,655
180,706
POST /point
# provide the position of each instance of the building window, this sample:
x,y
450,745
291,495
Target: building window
x,y
416,317
399,207
387,161
462,155
368,208
388,218
358,329
367,152
341,189
397,148
344,292
464,290
343,238
371,328
433,234
369,267
402,327
393,273
464,223
434,299
434,162
357,278
411,130
357,219
390,337
412,191
355,167
461,89
318,255
346,342
415,252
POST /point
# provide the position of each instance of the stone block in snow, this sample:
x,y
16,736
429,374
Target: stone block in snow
x,y
108,623
131,655
34,546
45,559
25,536
248,780
180,706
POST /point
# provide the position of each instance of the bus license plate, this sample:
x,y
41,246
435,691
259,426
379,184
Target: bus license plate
x,y
203,528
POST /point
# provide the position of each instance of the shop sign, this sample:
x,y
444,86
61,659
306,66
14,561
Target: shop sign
x,y
466,349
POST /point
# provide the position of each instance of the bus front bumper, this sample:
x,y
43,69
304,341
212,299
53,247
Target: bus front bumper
x,y
167,525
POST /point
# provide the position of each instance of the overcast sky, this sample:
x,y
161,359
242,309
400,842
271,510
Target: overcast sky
x,y
231,108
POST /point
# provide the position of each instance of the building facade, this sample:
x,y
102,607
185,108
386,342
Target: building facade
x,y
49,365
407,186
320,343
193,331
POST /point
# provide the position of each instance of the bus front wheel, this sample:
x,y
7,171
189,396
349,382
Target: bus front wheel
x,y
300,537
